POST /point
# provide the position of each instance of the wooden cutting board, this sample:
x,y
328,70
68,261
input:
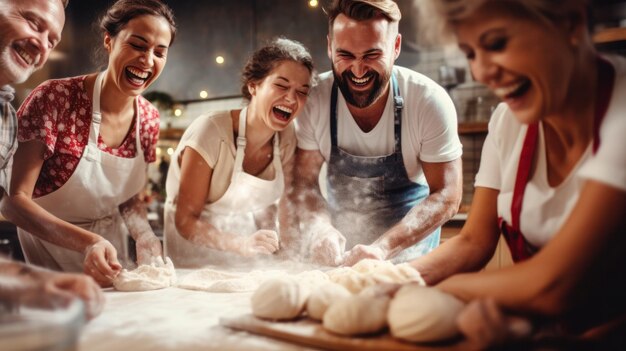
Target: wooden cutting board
x,y
307,332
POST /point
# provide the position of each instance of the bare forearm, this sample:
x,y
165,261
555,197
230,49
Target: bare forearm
x,y
421,220
26,214
201,232
135,216
458,254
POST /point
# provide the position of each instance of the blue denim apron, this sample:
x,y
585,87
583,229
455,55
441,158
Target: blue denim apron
x,y
368,195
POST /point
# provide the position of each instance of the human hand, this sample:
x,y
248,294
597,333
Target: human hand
x,y
328,246
360,252
101,262
263,242
148,246
49,290
485,325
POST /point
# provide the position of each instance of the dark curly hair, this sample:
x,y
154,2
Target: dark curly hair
x,y
265,59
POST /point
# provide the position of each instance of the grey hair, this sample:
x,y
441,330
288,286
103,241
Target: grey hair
x,y
265,59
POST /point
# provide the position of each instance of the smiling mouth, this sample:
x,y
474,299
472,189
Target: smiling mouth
x,y
24,55
137,77
359,82
513,90
282,112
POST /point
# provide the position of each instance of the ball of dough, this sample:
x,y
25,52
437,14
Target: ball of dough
x,y
423,314
279,299
351,279
370,272
369,265
357,314
157,275
321,298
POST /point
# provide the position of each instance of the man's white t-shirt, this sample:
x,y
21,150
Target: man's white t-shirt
x,y
546,208
429,124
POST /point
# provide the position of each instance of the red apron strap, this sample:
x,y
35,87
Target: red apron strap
x,y
520,248
523,173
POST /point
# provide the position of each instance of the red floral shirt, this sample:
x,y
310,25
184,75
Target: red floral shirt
x,y
58,113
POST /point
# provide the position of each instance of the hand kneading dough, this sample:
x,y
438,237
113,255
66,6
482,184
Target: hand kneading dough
x,y
157,275
321,298
357,314
422,314
279,299
370,272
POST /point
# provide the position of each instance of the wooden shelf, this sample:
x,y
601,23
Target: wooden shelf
x,y
610,35
171,134
473,127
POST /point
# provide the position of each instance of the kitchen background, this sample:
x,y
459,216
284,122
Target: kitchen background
x,y
215,38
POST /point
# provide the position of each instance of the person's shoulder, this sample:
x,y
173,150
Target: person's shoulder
x,y
214,122
65,86
411,77
149,110
503,124
323,85
417,85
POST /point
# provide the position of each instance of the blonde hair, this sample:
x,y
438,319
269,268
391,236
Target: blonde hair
x,y
437,16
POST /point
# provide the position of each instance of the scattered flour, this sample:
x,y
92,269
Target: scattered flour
x,y
221,281
157,275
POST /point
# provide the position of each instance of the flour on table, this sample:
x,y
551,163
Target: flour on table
x,y
157,275
221,281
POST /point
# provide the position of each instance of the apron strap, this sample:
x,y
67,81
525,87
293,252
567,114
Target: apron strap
x,y
398,105
240,143
333,116
96,116
513,233
523,173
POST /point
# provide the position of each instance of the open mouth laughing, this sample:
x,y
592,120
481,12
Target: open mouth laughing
x,y
360,82
282,112
136,76
26,56
513,90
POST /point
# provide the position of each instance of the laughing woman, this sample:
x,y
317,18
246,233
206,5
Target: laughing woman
x,y
552,177
230,168
84,145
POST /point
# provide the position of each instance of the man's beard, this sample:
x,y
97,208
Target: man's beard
x,y
10,69
361,99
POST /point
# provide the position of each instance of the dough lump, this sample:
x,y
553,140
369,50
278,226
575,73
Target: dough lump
x,y
322,297
423,314
357,314
157,275
279,299
370,272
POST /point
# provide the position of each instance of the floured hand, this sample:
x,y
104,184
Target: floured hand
x,y
327,247
101,262
264,242
360,252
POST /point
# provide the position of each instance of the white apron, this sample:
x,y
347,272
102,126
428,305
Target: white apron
x,y
90,198
233,212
